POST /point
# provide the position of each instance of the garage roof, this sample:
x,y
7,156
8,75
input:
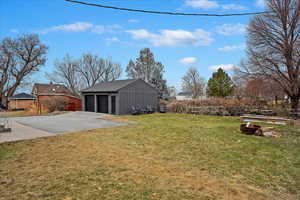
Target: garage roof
x,y
22,96
52,89
111,86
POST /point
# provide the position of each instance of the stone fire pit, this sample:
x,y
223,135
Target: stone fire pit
x,y
251,129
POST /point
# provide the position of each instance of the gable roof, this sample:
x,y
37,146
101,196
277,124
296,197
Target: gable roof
x,y
22,96
51,89
111,86
187,94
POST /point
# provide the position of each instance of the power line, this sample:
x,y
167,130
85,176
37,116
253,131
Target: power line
x,y
165,12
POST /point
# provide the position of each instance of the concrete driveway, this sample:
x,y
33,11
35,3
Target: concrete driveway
x,y
42,126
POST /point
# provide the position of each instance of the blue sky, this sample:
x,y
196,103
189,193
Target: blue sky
x,y
178,42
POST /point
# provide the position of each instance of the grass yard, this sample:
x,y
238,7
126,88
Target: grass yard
x,y
159,156
21,113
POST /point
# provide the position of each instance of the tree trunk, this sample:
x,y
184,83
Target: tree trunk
x,y
3,101
295,106
12,89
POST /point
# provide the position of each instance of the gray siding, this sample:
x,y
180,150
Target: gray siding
x,y
138,94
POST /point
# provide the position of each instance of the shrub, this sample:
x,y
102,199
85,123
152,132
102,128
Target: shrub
x,y
216,106
55,104
224,107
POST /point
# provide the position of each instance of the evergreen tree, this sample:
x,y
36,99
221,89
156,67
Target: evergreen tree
x,y
220,85
146,68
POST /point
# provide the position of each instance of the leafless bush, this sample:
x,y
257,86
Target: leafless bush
x,y
55,104
225,107
185,106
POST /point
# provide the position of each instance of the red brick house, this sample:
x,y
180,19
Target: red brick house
x,y
51,92
21,101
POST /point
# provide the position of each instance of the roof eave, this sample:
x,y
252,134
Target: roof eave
x,y
21,98
97,91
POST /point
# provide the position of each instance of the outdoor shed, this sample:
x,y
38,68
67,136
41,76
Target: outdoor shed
x,y
21,101
119,97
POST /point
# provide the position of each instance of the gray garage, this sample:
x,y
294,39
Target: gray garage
x,y
119,97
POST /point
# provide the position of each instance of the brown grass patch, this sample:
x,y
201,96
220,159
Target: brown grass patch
x,y
27,113
121,119
30,175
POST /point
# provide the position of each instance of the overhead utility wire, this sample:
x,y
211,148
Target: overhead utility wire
x,y
165,12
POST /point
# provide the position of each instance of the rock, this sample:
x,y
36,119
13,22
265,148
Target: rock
x,y
272,134
267,129
258,132
268,134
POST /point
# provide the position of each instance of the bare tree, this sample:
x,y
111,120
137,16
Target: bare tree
x,y
172,91
112,71
66,73
262,88
239,87
148,69
273,47
19,58
91,69
84,72
7,60
193,83
145,67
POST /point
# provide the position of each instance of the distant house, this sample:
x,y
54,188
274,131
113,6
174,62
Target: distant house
x,y
119,97
183,96
50,92
21,101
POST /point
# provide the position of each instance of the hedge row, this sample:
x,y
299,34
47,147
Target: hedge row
x,y
223,107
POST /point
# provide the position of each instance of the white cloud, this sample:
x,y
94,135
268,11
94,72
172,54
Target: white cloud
x,y
232,29
233,7
223,66
178,37
75,27
208,4
133,21
189,61
141,34
232,48
100,29
113,39
14,30
204,4
260,3
80,27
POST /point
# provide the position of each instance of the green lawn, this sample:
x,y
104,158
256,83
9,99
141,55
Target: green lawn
x,y
159,156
